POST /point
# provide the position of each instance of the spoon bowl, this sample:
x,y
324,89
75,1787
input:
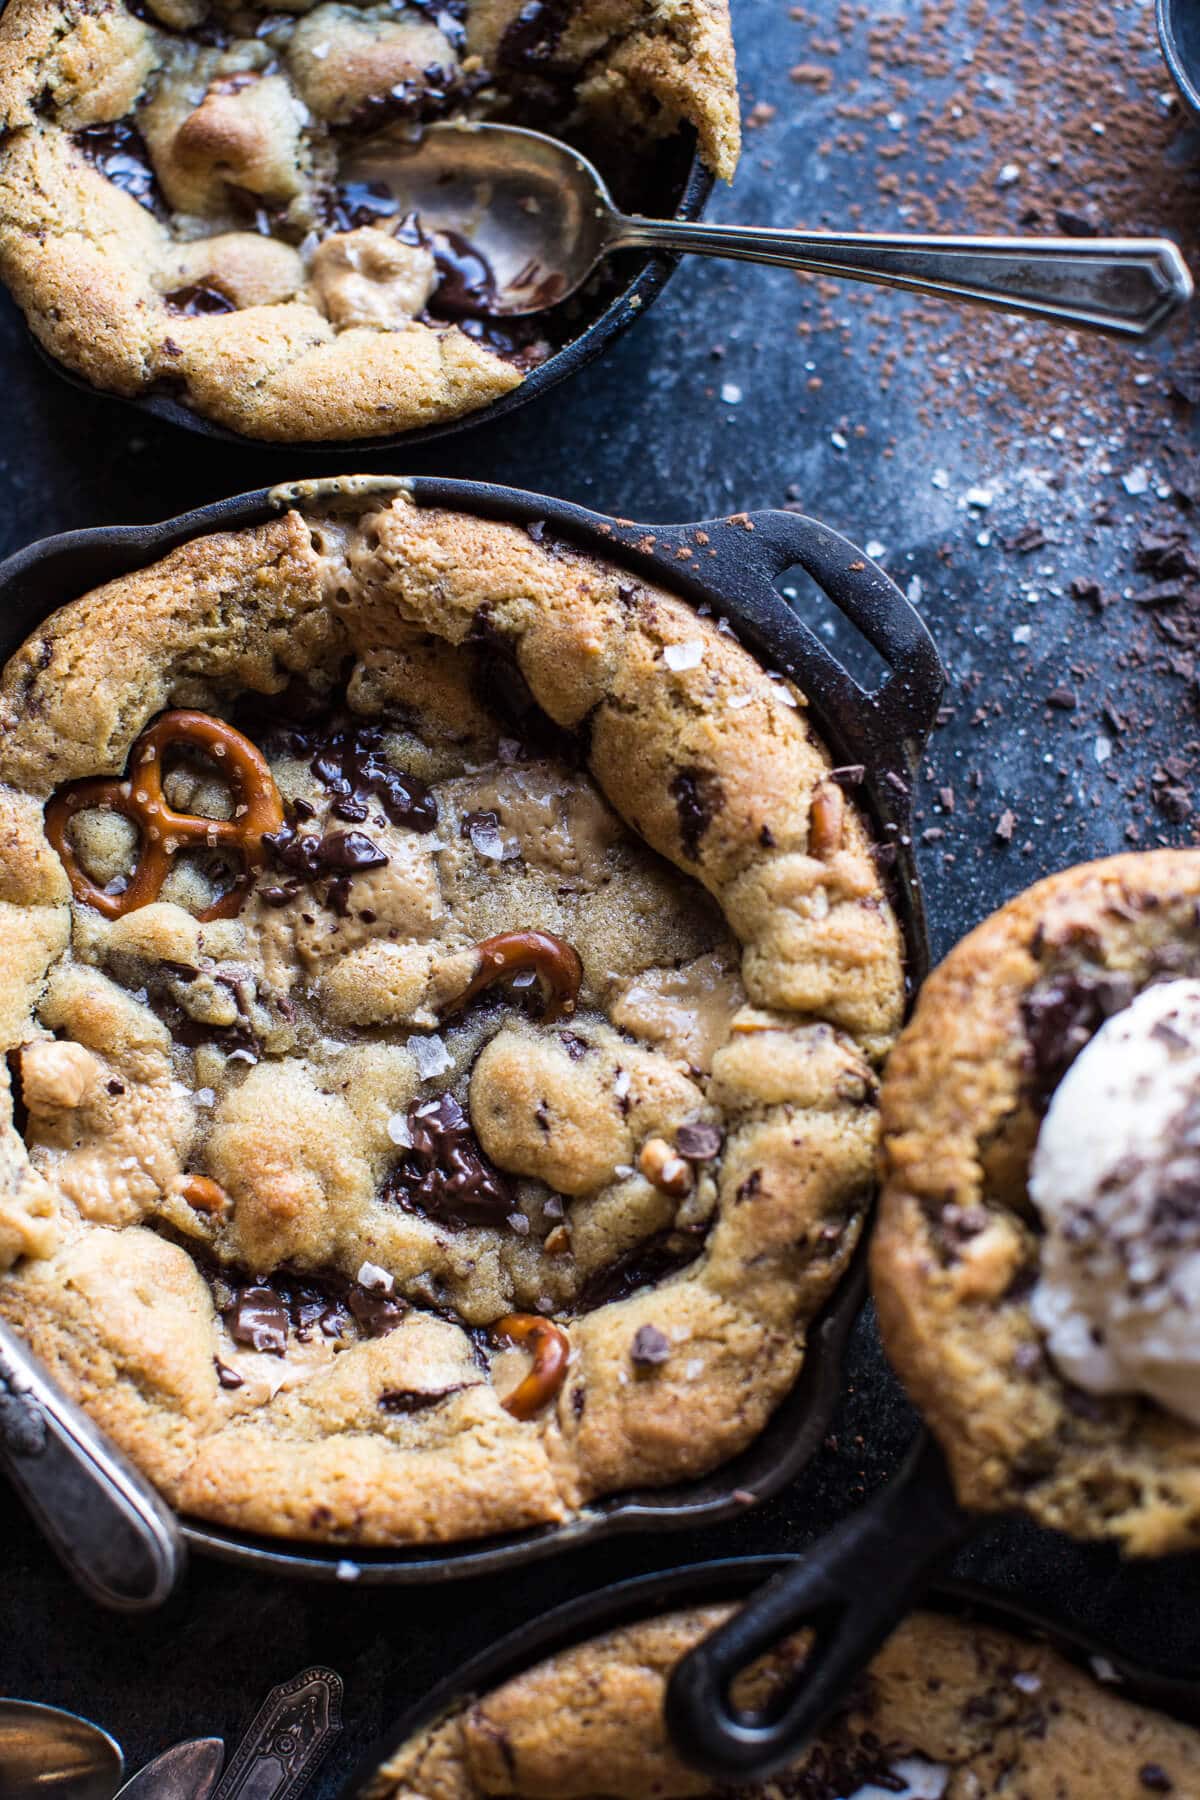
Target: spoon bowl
x,y
536,212
46,1751
530,218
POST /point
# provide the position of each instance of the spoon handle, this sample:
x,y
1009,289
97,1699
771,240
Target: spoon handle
x,y
105,1523
1128,286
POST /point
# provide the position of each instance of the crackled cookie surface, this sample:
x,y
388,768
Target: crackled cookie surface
x,y
1034,1255
179,205
946,1711
443,989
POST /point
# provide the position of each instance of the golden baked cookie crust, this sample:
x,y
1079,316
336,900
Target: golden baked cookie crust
x,y
170,207
955,1251
676,1174
1001,1715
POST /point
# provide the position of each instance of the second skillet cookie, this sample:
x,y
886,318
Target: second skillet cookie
x,y
328,1161
1037,1257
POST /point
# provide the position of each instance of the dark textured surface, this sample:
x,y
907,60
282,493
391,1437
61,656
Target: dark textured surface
x,y
1050,429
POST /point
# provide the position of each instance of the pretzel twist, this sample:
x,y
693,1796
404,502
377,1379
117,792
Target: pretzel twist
x,y
550,1348
162,832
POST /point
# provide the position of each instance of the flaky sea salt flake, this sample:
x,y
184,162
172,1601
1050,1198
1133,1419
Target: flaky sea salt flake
x,y
684,656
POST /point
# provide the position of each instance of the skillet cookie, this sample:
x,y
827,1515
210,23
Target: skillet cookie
x,y
947,1710
1036,1265
444,987
184,203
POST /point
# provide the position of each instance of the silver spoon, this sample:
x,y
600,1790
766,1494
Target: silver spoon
x,y
542,218
188,1771
103,1520
46,1751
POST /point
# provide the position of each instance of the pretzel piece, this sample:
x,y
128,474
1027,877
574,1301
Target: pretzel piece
x,y
162,832
550,1348
551,959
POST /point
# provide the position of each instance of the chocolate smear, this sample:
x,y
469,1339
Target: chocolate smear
x,y
644,1265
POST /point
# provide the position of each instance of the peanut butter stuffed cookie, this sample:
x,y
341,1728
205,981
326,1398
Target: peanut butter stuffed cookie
x,y
1037,1259
946,1711
442,995
178,203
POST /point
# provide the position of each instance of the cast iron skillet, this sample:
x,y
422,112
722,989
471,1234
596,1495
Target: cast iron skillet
x,y
1179,35
852,1589
730,566
710,1583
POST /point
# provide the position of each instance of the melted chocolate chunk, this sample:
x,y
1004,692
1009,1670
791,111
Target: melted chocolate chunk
x,y
349,764
698,797
227,1377
358,203
1062,1014
376,1313
521,342
407,1401
467,285
119,152
200,298
649,1262
699,1143
445,1174
309,855
259,1319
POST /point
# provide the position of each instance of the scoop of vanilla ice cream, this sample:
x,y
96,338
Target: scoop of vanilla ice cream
x,y
1116,1179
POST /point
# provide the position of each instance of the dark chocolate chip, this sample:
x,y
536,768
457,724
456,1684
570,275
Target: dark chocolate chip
x,y
200,298
698,796
119,151
651,1347
350,764
1061,1014
1155,1780
228,1378
259,1319
699,1142
376,1313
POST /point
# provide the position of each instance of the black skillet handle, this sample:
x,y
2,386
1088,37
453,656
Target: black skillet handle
x,y
851,1589
744,557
